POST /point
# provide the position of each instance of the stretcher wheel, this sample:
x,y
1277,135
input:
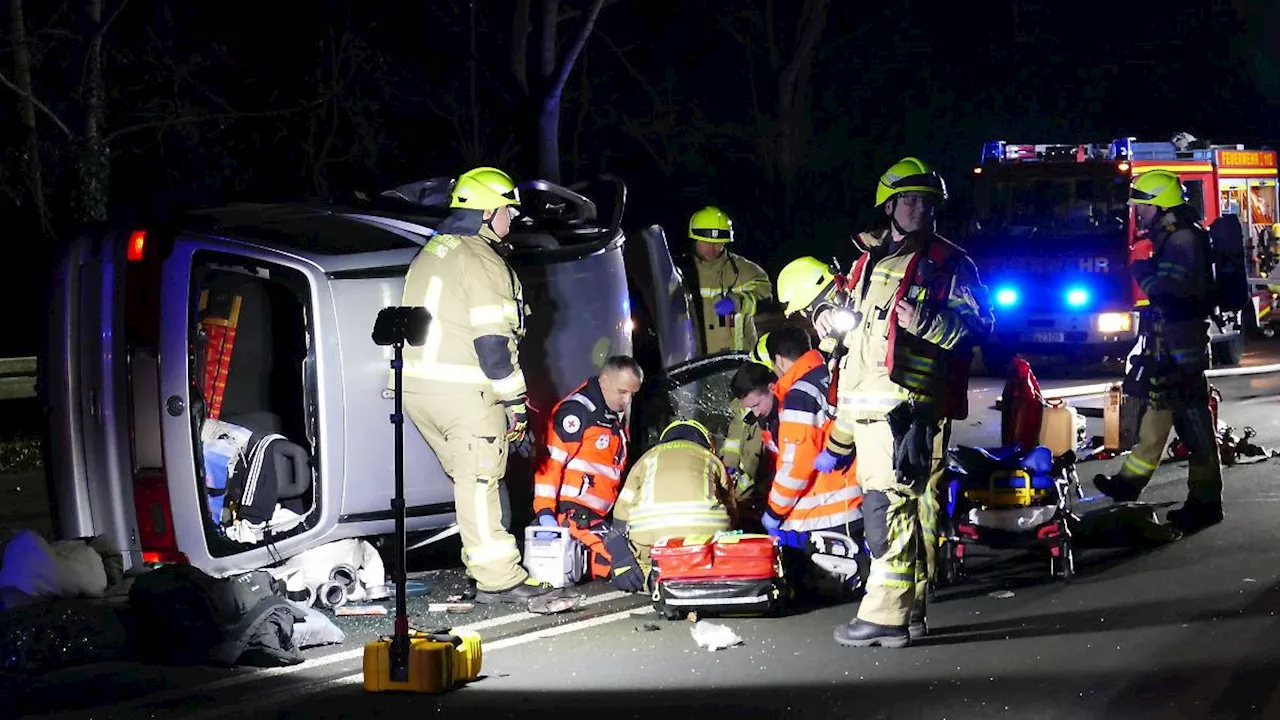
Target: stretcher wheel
x,y
1064,565
950,570
673,613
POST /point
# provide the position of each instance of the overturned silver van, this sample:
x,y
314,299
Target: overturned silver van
x,y
259,316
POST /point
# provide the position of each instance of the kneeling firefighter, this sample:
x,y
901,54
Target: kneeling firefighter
x,y
677,488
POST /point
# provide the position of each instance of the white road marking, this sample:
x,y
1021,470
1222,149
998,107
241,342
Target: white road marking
x,y
240,708
338,657
1102,388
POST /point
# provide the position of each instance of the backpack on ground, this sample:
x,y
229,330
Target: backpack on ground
x,y
186,617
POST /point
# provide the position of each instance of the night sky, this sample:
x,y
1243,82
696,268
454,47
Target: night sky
x,y
215,102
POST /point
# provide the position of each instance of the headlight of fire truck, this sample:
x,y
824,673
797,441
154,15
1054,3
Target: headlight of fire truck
x,y
1115,322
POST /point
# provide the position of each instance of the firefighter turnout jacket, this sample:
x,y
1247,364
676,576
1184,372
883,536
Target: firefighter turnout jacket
x,y
585,451
741,280
477,313
1175,278
802,498
928,362
676,489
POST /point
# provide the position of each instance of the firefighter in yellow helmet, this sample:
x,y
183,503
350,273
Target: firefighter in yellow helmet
x,y
744,449
464,389
676,489
730,286
916,311
1172,268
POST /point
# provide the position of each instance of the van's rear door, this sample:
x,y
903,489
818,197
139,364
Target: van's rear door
x,y
87,393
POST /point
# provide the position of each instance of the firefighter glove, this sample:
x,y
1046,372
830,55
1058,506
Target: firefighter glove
x,y
624,571
517,419
826,461
771,522
725,306
913,447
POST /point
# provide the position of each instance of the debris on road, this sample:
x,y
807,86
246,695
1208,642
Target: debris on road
x,y
344,610
451,607
714,637
1000,594
648,627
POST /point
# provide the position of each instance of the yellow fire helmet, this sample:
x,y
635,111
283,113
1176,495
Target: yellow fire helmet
x,y
484,188
1157,187
909,175
801,282
710,224
760,354
690,430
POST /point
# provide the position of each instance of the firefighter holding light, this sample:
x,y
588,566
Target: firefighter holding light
x,y
731,286
1172,266
579,474
916,310
463,388
677,488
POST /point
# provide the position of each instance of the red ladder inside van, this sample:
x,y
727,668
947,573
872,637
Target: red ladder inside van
x,y
220,334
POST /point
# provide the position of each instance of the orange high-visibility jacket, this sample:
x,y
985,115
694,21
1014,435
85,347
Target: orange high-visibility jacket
x,y
586,449
802,498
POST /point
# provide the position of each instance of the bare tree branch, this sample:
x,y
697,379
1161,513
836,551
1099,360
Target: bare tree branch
x,y
566,66
4,80
240,115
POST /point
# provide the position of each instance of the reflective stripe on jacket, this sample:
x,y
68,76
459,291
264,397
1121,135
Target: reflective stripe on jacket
x,y
477,313
674,490
747,283
802,498
887,364
584,453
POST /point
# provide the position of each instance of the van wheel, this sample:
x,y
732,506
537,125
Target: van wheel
x,y
1229,352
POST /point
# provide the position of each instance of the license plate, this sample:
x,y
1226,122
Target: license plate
x,y
1048,337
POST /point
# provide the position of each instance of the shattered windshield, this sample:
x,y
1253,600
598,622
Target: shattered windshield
x,y
698,390
1076,203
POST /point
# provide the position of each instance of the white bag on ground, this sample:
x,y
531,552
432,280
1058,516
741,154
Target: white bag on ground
x,y
66,569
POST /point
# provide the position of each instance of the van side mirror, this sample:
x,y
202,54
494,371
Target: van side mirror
x,y
401,325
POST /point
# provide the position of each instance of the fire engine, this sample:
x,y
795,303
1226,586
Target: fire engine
x,y
1051,233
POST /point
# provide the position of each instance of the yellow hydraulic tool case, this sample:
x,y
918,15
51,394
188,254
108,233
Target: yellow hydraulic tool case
x,y
438,662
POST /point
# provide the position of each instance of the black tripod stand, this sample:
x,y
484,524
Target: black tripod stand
x,y
396,326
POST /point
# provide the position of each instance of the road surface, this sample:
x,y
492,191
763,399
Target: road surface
x,y
1188,630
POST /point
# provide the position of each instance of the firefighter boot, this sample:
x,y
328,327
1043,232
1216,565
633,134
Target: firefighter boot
x,y
861,633
1116,487
919,625
1195,515
518,594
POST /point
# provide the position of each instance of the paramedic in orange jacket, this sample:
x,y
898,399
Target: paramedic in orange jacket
x,y
802,499
580,474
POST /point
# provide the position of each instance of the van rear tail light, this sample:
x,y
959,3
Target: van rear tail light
x,y
155,519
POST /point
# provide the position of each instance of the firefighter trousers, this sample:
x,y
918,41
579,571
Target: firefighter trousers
x,y
901,526
1194,423
465,427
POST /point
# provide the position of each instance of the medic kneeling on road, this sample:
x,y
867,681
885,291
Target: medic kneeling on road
x,y
579,473
802,500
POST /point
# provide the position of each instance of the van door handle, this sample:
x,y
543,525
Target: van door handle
x,y
175,405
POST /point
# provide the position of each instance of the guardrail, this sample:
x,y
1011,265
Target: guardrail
x,y
17,378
